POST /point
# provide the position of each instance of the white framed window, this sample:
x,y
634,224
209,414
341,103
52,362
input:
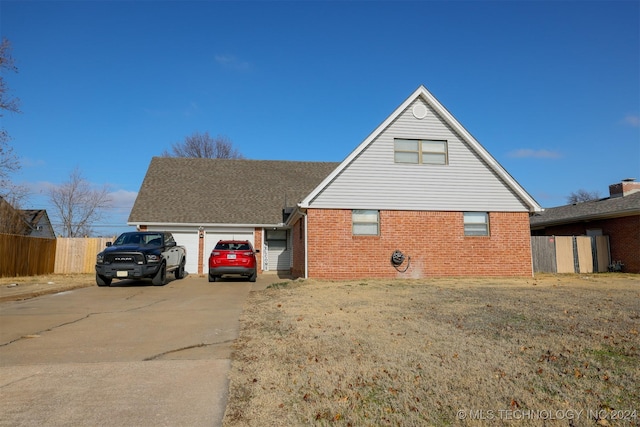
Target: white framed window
x,y
420,151
476,223
365,222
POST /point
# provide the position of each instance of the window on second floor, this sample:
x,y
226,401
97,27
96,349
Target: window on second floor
x,y
420,151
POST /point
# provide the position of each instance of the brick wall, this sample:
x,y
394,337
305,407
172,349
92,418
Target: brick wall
x,y
257,244
624,237
435,242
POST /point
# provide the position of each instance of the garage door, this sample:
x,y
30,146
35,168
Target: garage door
x,y
190,242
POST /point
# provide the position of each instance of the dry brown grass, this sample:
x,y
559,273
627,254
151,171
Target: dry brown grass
x,y
24,287
71,279
554,350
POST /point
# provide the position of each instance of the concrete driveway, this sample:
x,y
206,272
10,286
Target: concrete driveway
x,y
129,355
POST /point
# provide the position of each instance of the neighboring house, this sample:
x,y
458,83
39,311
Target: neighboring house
x,y
419,184
33,223
38,223
617,216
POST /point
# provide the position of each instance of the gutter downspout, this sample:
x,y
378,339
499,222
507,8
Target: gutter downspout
x,y
306,246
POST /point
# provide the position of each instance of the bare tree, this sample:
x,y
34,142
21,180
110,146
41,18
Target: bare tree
x,y
202,145
78,205
582,196
11,219
8,160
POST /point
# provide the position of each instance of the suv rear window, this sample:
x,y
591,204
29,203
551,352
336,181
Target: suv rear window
x,y
231,246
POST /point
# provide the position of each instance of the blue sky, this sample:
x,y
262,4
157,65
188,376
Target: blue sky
x,y
550,88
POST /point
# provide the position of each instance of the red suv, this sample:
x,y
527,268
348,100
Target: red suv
x,y
233,257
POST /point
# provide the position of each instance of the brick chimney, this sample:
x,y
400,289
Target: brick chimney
x,y
624,188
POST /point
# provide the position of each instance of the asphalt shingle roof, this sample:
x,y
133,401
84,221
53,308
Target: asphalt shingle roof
x,y
595,209
223,191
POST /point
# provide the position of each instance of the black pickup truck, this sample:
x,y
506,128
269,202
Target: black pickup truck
x,y
139,255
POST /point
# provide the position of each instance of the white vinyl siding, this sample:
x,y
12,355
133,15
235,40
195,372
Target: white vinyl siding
x,y
476,224
365,222
373,180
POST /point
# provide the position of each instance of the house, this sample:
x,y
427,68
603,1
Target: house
x,y
419,187
25,222
616,216
202,201
38,223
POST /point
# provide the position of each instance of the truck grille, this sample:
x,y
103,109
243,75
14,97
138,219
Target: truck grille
x,y
126,258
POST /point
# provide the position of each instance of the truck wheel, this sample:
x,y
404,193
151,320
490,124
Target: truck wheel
x,y
160,277
103,281
180,270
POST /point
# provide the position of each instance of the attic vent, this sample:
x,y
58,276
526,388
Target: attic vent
x,y
419,111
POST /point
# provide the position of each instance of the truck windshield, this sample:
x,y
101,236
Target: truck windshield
x,y
139,239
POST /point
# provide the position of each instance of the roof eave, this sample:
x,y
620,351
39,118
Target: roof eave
x,y
297,213
584,218
199,224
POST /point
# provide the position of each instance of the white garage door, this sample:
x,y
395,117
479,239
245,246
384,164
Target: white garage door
x,y
190,242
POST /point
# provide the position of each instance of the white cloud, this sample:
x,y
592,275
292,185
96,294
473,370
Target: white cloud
x,y
39,187
534,154
28,162
232,62
632,120
123,198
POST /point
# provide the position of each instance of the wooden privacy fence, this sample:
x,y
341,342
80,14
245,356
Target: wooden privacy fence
x,y
570,254
78,254
26,256
32,256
